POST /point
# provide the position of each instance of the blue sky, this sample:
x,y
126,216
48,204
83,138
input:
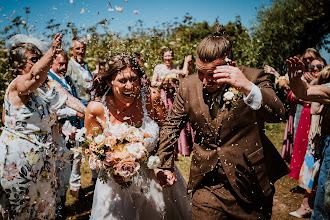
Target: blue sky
x,y
151,12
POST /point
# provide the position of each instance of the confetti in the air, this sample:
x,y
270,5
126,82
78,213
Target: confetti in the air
x,y
1,9
111,9
71,1
109,3
119,9
54,8
136,12
82,11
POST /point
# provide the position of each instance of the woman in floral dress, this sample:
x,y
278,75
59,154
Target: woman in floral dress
x,y
27,152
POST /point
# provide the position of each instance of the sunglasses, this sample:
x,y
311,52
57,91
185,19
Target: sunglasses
x,y
319,66
307,58
34,59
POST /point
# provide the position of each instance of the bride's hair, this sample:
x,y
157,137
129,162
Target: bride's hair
x,y
215,46
114,64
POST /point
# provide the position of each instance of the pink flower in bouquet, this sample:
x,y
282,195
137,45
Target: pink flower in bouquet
x,y
109,159
127,168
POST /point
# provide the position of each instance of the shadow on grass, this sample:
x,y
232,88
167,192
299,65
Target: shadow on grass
x,y
81,208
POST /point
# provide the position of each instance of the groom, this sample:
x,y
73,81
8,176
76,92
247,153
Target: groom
x,y
234,165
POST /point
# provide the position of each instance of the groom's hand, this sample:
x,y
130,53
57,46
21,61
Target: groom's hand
x,y
165,177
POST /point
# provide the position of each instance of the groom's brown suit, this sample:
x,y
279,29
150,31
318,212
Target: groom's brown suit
x,y
248,158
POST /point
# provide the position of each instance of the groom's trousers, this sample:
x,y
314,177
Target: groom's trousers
x,y
216,199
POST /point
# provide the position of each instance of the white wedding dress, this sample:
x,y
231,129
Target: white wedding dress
x,y
144,199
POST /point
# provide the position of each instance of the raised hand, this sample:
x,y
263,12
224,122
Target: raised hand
x,y
228,74
295,67
57,42
309,77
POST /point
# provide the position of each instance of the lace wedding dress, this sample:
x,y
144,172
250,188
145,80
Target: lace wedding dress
x,y
144,199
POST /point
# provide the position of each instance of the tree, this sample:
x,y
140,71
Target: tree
x,y
287,28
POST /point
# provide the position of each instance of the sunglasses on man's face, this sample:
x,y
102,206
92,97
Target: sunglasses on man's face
x,y
34,59
319,66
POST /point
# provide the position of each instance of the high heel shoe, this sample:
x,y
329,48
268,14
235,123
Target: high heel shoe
x,y
302,212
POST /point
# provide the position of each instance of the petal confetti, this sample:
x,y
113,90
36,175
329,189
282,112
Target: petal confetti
x,y
119,9
111,9
82,11
136,12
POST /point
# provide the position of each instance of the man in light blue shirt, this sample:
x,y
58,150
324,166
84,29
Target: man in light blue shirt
x,y
65,155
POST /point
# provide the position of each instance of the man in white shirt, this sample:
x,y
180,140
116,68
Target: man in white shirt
x,y
78,70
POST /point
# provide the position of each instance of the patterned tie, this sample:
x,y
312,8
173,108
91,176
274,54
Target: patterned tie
x,y
214,106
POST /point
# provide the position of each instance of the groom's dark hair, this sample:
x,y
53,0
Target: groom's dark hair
x,y
215,46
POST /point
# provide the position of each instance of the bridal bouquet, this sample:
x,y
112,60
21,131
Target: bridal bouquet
x,y
170,77
119,150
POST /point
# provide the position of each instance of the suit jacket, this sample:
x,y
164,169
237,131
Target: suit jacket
x,y
250,161
74,73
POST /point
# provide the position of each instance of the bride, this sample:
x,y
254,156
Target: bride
x,y
122,99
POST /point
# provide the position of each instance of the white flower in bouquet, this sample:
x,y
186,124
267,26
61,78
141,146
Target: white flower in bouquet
x,y
282,81
119,131
171,76
68,129
228,96
135,134
153,162
80,134
99,139
136,150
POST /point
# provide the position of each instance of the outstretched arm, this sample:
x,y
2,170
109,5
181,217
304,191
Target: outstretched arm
x,y
315,93
169,134
71,101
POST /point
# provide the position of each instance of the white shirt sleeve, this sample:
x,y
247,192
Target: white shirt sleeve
x,y
254,98
66,112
